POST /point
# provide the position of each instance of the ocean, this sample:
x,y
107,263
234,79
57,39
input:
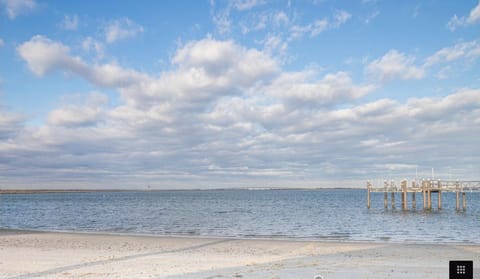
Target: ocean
x,y
329,215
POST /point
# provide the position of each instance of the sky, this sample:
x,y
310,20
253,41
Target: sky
x,y
241,93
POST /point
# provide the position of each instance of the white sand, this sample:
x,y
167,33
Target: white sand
x,y
65,255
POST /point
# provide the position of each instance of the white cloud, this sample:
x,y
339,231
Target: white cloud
x,y
444,72
281,18
225,58
275,44
394,65
17,7
282,23
206,70
2,43
44,56
79,116
10,125
340,17
473,17
222,21
455,22
299,89
437,108
255,22
225,114
90,44
469,50
122,29
221,17
320,25
243,5
70,22
397,65
74,116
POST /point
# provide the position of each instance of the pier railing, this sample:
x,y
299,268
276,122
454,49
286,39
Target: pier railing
x,y
426,187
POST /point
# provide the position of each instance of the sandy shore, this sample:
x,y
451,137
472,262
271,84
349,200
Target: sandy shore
x,y
65,255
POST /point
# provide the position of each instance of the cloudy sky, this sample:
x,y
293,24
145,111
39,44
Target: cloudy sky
x,y
243,93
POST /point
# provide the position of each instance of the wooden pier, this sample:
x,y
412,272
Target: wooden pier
x,y
426,188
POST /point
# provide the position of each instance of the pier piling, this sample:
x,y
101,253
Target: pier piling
x,y
404,195
368,195
429,196
385,200
424,192
439,199
414,202
464,201
393,200
457,197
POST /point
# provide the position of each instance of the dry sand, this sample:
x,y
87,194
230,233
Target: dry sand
x,y
26,254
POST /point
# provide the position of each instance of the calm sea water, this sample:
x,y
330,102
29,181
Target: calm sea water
x,y
302,214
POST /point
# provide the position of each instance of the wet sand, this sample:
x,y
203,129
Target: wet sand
x,y
26,254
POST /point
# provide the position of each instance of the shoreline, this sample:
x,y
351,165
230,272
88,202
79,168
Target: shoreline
x,y
260,238
33,254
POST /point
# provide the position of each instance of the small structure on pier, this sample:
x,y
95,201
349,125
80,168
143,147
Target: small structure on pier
x,y
426,188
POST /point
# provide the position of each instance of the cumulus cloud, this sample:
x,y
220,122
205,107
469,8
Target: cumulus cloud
x,y
10,124
70,22
394,65
469,50
217,58
206,70
79,116
44,56
122,29
437,108
17,7
227,115
473,17
397,65
298,88
73,116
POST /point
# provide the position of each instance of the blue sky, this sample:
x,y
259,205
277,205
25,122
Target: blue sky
x,y
243,93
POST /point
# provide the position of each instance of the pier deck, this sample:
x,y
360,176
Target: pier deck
x,y
426,187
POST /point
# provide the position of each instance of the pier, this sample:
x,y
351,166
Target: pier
x,y
425,188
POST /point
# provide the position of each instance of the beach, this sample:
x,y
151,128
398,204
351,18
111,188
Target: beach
x,y
30,254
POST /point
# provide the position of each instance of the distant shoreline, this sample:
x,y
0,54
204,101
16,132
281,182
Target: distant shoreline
x,y
50,191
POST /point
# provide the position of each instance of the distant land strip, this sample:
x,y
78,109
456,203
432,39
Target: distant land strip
x,y
49,191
